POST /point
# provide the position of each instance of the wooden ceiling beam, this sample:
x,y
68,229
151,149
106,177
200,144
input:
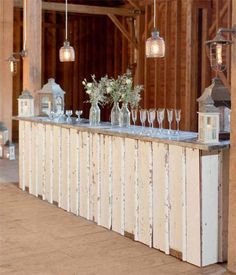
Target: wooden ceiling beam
x,y
76,8
117,23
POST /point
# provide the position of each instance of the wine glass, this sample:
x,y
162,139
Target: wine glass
x,y
143,117
170,119
134,114
160,118
177,118
78,113
151,117
69,114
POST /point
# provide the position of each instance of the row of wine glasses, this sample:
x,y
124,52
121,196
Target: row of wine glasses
x,y
151,115
67,117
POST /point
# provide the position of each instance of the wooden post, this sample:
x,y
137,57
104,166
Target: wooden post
x,y
232,182
32,62
6,49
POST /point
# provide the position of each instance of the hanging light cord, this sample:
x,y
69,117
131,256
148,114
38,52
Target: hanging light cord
x,y
24,27
154,14
66,20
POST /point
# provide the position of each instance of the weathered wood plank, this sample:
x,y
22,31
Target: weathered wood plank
x,y
56,164
106,181
209,188
193,214
65,169
27,152
176,196
34,159
84,174
49,164
160,197
145,192
21,155
41,160
118,161
74,169
130,182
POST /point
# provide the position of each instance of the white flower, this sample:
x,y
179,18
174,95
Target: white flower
x,y
89,85
128,81
88,92
109,89
83,82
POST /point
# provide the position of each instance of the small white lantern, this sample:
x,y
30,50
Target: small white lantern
x,y
25,104
3,134
51,98
1,151
9,151
208,127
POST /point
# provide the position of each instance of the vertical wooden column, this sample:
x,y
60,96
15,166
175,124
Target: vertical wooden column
x,y
6,49
32,62
232,181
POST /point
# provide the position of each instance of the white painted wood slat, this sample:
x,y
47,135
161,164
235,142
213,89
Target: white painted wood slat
x,y
56,164
160,204
145,173
49,164
74,165
193,207
209,188
21,155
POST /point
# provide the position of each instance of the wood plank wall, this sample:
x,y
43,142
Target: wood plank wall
x,y
175,81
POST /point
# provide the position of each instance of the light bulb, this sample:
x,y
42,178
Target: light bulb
x,y
219,54
67,53
155,46
12,64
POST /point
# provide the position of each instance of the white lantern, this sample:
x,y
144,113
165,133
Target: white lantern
x,y
25,104
3,134
9,151
208,127
51,98
1,151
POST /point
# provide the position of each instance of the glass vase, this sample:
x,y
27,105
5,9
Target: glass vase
x,y
115,114
94,114
124,119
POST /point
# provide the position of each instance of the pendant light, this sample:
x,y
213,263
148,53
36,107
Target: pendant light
x,y
67,53
155,45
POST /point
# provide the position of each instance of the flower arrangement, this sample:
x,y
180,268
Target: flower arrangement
x,y
120,90
96,90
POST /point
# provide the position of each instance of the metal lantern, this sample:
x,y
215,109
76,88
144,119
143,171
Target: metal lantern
x,y
51,98
25,104
218,47
155,46
213,104
3,134
9,151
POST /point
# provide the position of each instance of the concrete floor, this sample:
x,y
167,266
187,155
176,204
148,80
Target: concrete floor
x,y
39,238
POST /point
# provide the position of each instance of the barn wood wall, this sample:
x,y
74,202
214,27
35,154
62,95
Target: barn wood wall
x,y
175,81
98,45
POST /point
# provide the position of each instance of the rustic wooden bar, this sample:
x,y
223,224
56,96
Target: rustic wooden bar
x,y
169,194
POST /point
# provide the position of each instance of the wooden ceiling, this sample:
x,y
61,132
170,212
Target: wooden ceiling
x,y
105,3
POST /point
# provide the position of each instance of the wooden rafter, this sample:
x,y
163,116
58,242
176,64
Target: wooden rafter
x,y
115,20
134,4
76,8
221,14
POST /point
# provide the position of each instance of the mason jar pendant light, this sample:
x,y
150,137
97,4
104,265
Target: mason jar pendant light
x,y
67,53
155,45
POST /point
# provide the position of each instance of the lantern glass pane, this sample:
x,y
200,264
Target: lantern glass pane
x,y
155,47
67,53
218,56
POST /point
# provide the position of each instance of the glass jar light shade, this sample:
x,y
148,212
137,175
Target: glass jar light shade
x,y
155,46
67,53
217,56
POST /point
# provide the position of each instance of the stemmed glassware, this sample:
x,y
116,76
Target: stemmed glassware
x,y
69,114
160,118
170,119
78,113
177,119
143,117
151,117
134,115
